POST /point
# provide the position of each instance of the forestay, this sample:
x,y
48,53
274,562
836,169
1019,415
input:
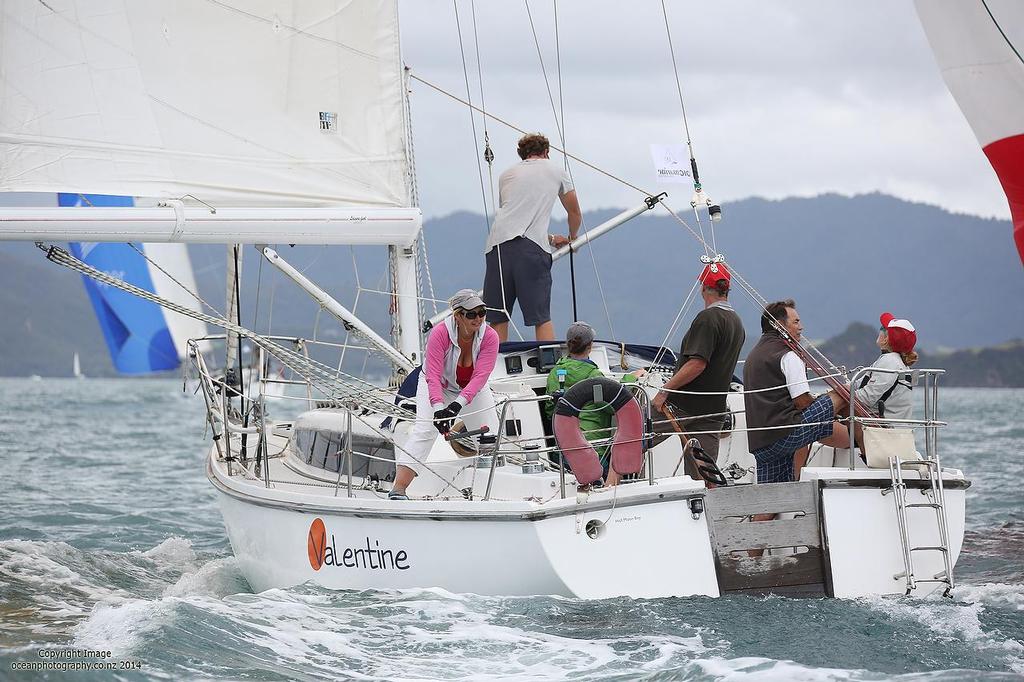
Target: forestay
x,y
285,104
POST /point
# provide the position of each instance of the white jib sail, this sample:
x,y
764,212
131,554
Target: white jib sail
x,y
258,103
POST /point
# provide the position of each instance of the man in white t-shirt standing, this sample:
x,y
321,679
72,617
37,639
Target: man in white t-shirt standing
x,y
780,409
519,247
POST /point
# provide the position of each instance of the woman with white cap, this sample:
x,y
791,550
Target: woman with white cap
x,y
889,393
461,352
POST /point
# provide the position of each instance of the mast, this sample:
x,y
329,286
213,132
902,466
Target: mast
x,y
233,276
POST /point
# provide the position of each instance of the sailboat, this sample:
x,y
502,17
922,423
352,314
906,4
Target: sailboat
x,y
288,123
141,337
76,367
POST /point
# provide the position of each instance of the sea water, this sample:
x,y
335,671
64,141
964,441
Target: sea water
x,y
110,540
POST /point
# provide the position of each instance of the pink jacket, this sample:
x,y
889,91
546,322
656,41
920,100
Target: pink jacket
x,y
443,357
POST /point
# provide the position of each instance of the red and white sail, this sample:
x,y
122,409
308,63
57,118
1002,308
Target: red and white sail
x,y
979,45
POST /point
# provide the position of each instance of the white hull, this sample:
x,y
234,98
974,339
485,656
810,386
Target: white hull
x,y
836,532
649,545
494,548
863,538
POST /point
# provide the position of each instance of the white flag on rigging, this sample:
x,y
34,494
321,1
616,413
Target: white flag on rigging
x,y
671,163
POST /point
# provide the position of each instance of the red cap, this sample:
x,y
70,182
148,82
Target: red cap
x,y
902,335
713,272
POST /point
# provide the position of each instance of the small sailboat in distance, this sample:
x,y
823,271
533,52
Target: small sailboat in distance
x,y
76,368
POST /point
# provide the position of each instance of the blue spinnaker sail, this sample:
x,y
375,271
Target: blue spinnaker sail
x,y
136,330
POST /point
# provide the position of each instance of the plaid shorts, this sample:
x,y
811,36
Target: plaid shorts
x,y
775,462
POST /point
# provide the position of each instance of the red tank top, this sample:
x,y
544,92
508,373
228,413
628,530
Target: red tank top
x,y
463,375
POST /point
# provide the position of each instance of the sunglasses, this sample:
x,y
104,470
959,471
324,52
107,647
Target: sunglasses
x,y
473,314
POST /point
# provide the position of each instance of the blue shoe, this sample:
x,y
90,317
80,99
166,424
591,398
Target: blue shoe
x,y
397,496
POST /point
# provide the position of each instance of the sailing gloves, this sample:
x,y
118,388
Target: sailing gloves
x,y
444,418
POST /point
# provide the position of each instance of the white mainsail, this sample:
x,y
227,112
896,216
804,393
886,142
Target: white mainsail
x,y
275,121
284,104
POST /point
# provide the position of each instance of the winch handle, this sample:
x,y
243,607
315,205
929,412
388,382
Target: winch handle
x,y
452,435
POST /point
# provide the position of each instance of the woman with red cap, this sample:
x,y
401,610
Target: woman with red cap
x,y
889,393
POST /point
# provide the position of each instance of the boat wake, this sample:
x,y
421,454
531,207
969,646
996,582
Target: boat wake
x,y
51,590
188,613
978,615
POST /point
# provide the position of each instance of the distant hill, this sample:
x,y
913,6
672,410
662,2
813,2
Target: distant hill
x,y
956,277
46,319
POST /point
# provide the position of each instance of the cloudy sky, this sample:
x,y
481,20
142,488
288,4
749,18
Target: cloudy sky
x,y
783,98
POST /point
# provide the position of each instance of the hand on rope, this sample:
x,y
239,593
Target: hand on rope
x,y
445,417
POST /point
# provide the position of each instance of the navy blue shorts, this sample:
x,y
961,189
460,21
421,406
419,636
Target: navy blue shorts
x,y
775,462
525,272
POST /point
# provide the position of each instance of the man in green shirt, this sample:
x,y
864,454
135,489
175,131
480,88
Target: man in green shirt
x,y
594,423
707,361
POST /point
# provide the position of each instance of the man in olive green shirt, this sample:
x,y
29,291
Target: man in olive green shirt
x,y
707,361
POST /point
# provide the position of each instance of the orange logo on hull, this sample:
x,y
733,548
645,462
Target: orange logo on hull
x,y
316,544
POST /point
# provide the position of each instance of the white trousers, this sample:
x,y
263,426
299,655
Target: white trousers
x,y
423,433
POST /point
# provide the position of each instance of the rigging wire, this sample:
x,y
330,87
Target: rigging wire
x,y
414,200
512,126
686,131
679,87
749,289
255,319
355,304
663,348
472,115
168,275
488,154
565,159
346,388
560,127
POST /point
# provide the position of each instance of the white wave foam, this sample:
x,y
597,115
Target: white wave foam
x,y
59,591
119,628
993,594
768,670
217,578
409,635
954,620
68,586
174,551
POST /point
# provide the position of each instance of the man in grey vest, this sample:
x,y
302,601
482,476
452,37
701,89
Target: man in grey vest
x,y
780,410
707,360
519,247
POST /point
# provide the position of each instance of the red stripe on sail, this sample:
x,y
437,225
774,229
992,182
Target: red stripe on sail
x,y
1007,158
